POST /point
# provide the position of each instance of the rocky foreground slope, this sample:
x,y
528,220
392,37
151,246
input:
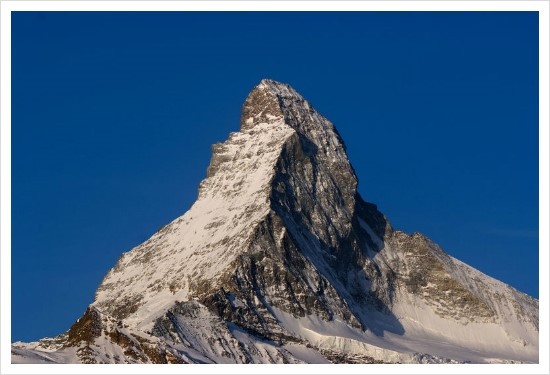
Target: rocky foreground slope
x,y
280,260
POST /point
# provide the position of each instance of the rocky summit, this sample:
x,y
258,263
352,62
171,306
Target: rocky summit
x,y
280,260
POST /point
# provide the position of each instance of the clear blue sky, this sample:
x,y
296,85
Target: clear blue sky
x,y
113,116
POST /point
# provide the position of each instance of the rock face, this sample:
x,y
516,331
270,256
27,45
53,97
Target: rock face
x,y
280,260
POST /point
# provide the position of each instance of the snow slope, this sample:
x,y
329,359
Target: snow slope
x,y
154,274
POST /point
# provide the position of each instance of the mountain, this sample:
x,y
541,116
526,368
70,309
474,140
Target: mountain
x,y
280,260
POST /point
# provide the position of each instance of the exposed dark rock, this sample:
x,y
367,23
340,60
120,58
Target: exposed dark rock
x,y
85,329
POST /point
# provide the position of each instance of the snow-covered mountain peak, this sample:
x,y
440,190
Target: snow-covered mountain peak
x,y
265,103
270,101
280,260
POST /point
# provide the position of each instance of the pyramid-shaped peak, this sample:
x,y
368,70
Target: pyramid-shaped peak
x,y
266,82
280,260
270,101
278,88
271,82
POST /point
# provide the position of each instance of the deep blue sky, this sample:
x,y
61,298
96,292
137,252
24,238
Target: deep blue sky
x,y
113,116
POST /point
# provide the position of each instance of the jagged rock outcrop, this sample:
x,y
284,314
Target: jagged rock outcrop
x,y
280,260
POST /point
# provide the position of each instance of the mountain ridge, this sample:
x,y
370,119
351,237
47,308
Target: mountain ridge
x,y
281,260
